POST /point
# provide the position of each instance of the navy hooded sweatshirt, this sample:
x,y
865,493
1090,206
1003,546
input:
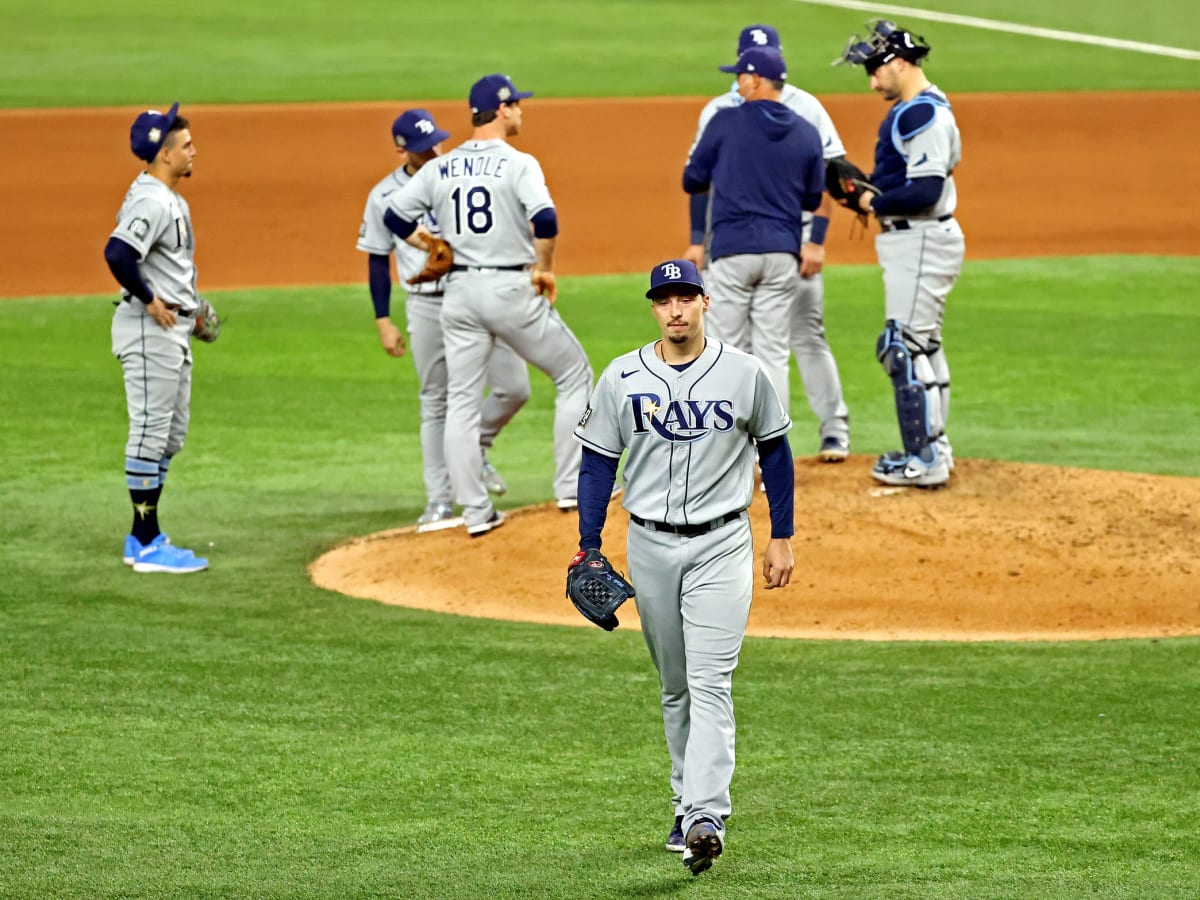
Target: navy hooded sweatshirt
x,y
766,169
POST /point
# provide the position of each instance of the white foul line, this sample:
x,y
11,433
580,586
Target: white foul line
x,y
1011,27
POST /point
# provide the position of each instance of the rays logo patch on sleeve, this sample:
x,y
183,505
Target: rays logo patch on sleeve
x,y
583,420
139,228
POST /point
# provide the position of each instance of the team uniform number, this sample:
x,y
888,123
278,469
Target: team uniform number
x,y
475,207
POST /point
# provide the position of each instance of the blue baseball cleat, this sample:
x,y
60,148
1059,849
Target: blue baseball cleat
x,y
133,545
164,557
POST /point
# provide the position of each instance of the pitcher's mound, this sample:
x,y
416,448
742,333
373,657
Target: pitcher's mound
x,y
1006,551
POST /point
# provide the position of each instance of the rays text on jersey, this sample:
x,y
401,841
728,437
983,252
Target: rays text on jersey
x,y
680,421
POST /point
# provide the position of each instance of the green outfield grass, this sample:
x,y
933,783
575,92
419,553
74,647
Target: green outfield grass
x,y
79,53
241,733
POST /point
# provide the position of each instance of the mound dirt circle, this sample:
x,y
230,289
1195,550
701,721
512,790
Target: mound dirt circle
x,y
1007,551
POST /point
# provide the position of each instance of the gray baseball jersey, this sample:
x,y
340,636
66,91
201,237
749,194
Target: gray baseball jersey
x,y
156,222
690,459
934,151
483,194
802,103
375,237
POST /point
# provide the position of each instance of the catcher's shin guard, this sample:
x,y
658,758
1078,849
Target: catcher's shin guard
x,y
911,374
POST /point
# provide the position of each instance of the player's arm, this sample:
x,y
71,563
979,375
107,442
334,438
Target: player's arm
x,y
927,149
545,240
698,202
597,475
122,259
379,277
778,475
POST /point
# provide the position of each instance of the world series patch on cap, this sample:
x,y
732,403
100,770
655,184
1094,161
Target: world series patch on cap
x,y
149,130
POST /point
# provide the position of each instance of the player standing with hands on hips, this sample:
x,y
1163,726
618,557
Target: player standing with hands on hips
x,y
150,253
495,210
766,168
418,141
920,247
690,411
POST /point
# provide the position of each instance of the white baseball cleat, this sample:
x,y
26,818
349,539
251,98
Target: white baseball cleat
x,y
494,522
437,516
834,449
901,469
491,478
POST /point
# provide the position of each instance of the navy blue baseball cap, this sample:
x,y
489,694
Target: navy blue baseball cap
x,y
765,61
672,273
415,130
490,91
149,130
758,36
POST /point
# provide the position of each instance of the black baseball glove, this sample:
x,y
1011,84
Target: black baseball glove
x,y
596,589
846,182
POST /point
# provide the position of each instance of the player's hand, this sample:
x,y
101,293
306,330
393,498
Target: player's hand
x,y
545,284
161,313
812,259
390,337
695,255
778,563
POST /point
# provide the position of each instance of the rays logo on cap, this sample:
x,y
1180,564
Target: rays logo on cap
x,y
672,271
759,37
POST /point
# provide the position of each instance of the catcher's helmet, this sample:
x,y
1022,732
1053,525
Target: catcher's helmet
x,y
883,43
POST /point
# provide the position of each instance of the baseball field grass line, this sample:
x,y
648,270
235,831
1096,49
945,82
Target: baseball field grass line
x,y
913,14
243,733
61,54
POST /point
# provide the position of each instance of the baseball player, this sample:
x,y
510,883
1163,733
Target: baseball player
x,y
814,358
418,140
920,247
493,206
150,253
690,411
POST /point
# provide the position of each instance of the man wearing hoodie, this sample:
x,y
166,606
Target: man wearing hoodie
x,y
765,168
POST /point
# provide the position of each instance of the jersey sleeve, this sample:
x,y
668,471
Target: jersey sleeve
x,y
769,417
373,235
697,174
930,151
414,199
706,114
531,188
831,141
142,224
599,427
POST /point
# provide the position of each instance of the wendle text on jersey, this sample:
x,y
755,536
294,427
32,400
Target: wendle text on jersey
x,y
461,166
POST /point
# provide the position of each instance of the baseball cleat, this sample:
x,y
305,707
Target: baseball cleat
x,y
704,843
567,504
834,449
901,469
164,557
494,522
491,478
675,842
436,517
133,545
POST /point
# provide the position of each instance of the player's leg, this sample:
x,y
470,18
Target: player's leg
x,y
425,346
508,379
818,368
905,360
156,365
771,317
468,348
655,568
941,374
533,328
730,285
718,584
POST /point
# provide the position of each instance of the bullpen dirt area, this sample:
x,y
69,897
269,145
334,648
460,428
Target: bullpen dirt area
x,y
1006,551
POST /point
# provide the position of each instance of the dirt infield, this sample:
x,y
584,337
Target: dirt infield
x,y
279,190
1007,551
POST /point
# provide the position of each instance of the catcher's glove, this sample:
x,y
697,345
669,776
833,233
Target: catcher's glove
x,y
438,264
596,589
846,182
208,323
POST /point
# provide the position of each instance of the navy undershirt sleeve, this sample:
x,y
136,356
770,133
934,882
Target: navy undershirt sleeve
x,y
545,223
915,196
380,280
597,475
123,263
778,475
398,226
698,214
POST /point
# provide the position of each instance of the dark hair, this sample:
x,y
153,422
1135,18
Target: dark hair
x,y
776,83
482,118
678,290
178,125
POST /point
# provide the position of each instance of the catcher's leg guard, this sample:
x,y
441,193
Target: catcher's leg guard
x,y
906,363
